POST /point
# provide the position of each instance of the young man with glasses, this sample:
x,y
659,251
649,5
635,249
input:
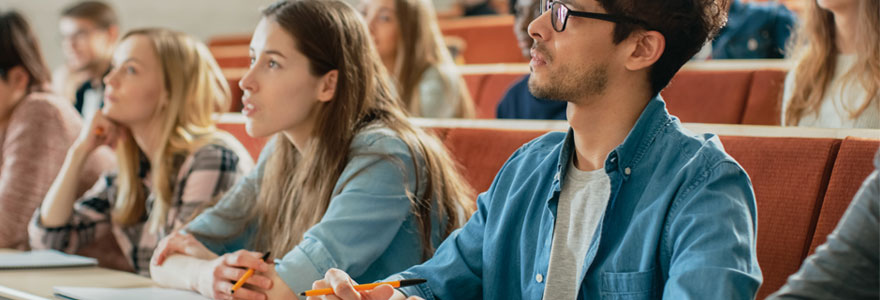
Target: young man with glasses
x,y
627,204
89,31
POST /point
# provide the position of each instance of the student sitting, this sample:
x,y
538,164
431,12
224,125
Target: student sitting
x,y
348,182
411,47
754,30
518,102
836,81
627,204
36,129
172,161
848,264
89,31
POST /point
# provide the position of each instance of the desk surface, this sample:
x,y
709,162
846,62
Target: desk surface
x,y
37,283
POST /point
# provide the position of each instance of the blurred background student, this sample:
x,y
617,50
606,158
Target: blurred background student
x,y
173,162
754,30
836,81
518,102
36,129
89,31
406,34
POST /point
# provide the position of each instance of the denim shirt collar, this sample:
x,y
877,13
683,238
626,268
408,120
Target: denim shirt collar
x,y
653,120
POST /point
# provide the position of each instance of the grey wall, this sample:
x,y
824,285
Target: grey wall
x,y
200,18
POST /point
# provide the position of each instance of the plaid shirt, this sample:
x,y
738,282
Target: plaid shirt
x,y
203,176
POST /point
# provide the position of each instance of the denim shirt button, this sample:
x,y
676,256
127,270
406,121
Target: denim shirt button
x,y
539,278
556,177
627,171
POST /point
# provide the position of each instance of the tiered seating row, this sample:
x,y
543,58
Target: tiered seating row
x,y
802,184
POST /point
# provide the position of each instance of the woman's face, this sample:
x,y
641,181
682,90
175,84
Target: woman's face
x,y
280,92
134,87
381,17
838,5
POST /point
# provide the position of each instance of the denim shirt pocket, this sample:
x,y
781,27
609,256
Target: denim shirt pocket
x,y
629,285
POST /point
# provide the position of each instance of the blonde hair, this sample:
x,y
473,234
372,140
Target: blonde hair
x,y
421,47
196,88
816,53
298,184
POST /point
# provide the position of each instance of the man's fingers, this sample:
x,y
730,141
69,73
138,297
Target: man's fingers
x,y
342,284
382,292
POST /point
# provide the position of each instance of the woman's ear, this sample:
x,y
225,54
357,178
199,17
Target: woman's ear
x,y
327,86
18,79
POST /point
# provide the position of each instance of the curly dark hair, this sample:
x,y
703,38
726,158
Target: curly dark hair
x,y
685,24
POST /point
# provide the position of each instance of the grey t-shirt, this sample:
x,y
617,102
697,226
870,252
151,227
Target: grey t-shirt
x,y
581,205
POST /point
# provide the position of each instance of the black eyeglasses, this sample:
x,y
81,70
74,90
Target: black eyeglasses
x,y
558,11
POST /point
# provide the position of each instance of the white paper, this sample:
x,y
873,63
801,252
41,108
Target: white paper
x,y
152,293
43,259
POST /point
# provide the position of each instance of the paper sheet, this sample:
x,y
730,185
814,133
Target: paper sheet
x,y
43,259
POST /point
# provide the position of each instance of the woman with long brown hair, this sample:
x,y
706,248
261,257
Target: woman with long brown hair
x,y
172,161
347,182
36,129
411,47
836,81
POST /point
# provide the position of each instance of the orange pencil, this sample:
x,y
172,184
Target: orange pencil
x,y
364,287
248,274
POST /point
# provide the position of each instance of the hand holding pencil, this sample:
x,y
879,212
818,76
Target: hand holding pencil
x,y
344,288
218,276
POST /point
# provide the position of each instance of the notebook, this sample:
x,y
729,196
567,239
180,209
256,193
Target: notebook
x,y
43,259
151,293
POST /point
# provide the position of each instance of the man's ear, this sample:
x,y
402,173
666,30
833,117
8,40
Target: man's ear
x,y
646,49
327,86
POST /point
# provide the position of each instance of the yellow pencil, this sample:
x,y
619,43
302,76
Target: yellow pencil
x,y
248,274
364,287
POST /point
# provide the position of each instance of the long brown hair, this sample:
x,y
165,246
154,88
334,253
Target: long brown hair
x,y
816,53
298,184
196,89
421,47
19,47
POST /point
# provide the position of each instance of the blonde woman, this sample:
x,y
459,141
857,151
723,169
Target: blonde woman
x,y
347,183
172,162
411,47
836,82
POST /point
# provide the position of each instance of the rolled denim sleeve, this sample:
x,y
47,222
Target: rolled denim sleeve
x,y
368,210
712,235
456,270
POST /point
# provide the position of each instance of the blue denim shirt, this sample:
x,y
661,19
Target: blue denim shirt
x,y
368,230
680,223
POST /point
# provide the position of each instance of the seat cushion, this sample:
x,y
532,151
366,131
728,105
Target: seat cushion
x,y
788,176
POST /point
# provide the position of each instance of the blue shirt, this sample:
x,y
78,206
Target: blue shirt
x,y
519,103
680,223
368,230
754,30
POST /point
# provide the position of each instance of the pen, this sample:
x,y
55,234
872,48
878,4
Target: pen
x,y
364,287
248,274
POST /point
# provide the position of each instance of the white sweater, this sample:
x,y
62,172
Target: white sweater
x,y
843,96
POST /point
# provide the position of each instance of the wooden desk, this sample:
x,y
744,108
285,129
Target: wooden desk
x,y
36,284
